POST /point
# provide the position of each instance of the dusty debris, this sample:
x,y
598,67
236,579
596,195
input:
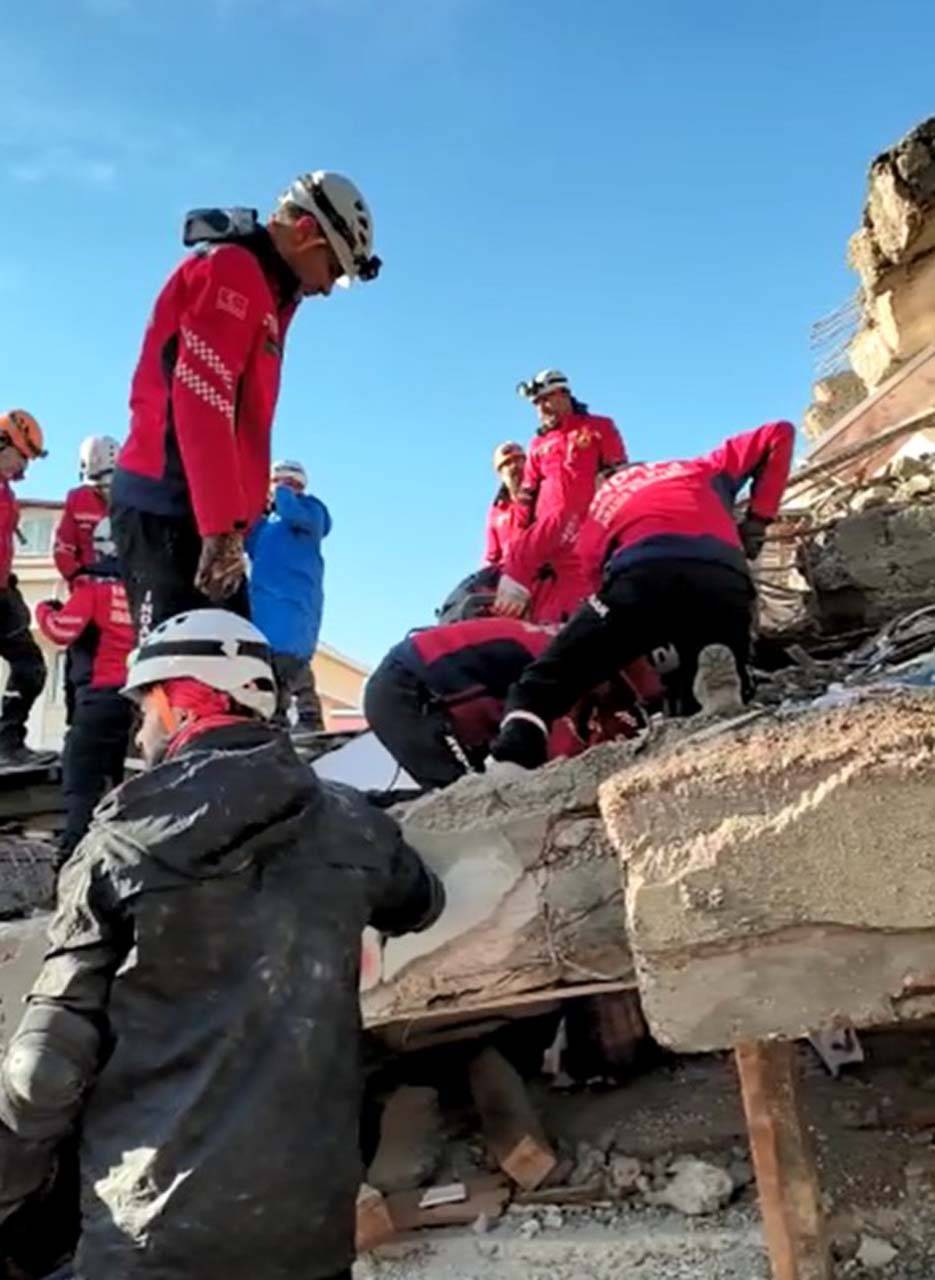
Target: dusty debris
x,y
623,1175
590,1166
512,1130
695,1188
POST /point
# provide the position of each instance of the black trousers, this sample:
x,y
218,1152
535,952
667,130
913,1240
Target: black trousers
x,y
296,680
92,761
27,668
685,604
411,725
159,559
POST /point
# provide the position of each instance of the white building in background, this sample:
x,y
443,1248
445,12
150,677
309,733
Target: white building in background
x,y
340,679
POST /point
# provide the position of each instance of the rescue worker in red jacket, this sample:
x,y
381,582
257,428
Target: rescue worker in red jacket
x,y
85,506
571,449
94,622
436,699
192,476
675,573
20,442
509,461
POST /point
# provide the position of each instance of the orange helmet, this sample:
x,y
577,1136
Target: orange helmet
x,y
22,431
506,452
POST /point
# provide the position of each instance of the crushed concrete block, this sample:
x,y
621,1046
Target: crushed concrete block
x,y
781,877
27,876
22,947
695,1188
590,1165
872,566
412,1141
874,1253
623,1174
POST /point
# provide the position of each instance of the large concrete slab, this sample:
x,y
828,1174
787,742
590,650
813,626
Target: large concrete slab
x,y
534,895
780,878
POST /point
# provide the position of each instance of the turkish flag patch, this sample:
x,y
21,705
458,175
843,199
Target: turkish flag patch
x,y
232,301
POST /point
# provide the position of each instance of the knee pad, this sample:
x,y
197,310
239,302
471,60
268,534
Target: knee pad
x,y
39,1079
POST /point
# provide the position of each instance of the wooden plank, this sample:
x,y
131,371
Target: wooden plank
x,y
488,1196
787,1180
512,1130
457,1008
374,1223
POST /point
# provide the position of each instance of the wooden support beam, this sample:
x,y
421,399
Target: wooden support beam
x,y
787,1180
512,1130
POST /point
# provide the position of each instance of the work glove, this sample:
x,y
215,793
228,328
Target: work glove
x,y
512,598
752,530
221,567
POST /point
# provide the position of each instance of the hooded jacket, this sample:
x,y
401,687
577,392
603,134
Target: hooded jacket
x,y
202,983
287,576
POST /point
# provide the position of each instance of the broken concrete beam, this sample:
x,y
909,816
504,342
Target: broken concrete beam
x,y
512,1130
534,895
872,566
780,877
22,947
901,196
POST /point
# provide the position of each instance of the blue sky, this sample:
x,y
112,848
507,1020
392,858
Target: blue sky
x,y
655,198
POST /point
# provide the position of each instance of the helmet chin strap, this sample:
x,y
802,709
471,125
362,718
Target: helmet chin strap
x,y
167,714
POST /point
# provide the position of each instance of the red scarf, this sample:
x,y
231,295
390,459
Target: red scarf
x,y
207,708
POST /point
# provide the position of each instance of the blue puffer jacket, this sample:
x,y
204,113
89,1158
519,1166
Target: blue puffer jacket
x,y
287,573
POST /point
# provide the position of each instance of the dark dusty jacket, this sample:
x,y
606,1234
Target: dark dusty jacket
x,y
220,1134
287,575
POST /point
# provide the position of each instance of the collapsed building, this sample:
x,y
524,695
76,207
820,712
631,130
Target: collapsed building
x,y
734,884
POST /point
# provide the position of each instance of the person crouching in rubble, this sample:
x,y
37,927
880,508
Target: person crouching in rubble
x,y
675,575
436,699
197,1012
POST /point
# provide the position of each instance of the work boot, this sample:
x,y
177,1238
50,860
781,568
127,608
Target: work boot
x,y
22,757
523,739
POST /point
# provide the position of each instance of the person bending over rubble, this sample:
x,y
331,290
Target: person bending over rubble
x,y
571,449
436,699
20,443
675,573
193,474
94,622
197,1015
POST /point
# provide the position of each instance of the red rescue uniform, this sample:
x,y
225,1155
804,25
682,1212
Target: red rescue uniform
x,y
685,510
563,464
95,623
205,389
9,519
73,548
503,524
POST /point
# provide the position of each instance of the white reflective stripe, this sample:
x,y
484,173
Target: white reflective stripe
x,y
525,715
193,380
206,353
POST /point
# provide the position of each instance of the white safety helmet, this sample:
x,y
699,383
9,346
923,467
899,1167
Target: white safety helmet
x,y
344,217
542,384
97,459
286,469
103,540
220,649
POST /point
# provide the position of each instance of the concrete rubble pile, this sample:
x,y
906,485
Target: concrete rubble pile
x,y
893,255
